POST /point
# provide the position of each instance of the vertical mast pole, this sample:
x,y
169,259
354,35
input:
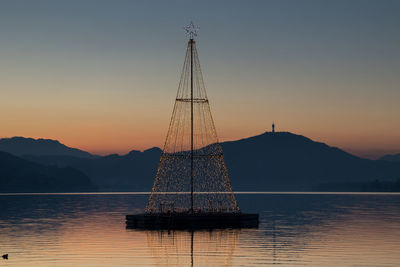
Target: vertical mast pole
x,y
191,124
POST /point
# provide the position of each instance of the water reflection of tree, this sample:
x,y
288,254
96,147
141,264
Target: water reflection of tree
x,y
193,248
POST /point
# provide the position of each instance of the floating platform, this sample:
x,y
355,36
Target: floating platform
x,y
188,221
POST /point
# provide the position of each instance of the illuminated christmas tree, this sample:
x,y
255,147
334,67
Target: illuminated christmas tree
x,y
192,176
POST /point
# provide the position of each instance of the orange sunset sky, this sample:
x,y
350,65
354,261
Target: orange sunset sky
x,y
102,76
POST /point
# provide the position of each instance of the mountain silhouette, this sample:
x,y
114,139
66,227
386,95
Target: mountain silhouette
x,y
20,175
395,157
286,161
28,146
134,171
267,162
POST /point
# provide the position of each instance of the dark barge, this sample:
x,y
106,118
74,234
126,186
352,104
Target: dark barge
x,y
191,221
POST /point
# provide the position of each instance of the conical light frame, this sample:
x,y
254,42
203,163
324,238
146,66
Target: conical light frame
x,y
192,175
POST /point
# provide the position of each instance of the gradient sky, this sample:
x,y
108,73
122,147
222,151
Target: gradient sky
x,y
102,75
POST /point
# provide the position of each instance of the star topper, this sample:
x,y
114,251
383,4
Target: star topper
x,y
191,30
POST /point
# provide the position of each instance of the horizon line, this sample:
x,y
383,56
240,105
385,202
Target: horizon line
x,y
236,192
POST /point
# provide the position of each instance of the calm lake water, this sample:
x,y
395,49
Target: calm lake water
x,y
295,230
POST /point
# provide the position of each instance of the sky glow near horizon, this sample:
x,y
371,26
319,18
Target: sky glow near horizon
x,y
102,75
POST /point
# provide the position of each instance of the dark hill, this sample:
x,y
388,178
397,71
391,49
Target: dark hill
x,y
270,161
28,146
134,171
285,161
395,157
19,175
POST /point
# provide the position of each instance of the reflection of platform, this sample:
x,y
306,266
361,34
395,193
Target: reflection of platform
x,y
192,221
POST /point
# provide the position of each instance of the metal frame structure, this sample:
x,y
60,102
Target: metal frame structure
x,y
192,173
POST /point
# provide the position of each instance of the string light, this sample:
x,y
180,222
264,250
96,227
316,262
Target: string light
x,y
211,185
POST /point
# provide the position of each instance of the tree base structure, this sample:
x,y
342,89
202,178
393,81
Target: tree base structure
x,y
191,221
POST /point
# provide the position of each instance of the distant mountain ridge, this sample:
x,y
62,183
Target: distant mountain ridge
x,y
20,146
394,157
285,161
20,175
279,161
134,171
